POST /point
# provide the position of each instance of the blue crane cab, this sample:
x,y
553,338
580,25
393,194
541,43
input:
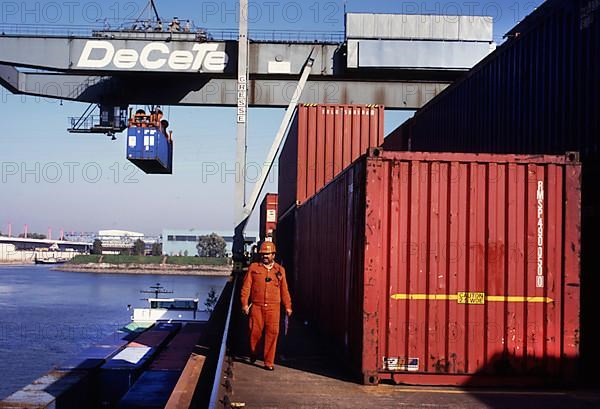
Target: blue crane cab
x,y
149,143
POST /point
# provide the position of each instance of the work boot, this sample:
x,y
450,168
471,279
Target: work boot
x,y
269,367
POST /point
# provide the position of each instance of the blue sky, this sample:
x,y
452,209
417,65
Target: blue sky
x,y
50,178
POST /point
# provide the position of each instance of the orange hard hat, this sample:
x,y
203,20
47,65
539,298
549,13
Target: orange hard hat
x,y
267,247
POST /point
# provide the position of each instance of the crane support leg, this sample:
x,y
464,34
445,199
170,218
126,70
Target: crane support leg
x,y
242,130
268,164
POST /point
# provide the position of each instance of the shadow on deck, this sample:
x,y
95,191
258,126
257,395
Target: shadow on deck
x,y
307,375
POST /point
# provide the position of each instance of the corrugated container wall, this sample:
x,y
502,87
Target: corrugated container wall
x,y
268,216
56,389
399,138
537,93
285,240
419,27
157,336
446,268
322,141
151,391
175,355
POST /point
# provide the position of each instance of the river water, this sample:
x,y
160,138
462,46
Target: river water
x,y
48,316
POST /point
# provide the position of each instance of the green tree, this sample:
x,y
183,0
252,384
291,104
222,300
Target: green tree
x,y
139,247
157,249
97,247
35,236
212,245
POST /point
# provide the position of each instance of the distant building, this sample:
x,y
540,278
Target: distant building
x,y
115,241
26,250
27,244
177,242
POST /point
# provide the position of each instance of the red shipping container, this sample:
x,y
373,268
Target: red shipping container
x,y
157,336
268,216
529,98
322,141
446,268
175,355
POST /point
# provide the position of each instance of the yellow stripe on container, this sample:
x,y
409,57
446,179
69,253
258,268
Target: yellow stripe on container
x,y
488,298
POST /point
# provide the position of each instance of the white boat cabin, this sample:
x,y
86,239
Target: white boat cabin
x,y
170,310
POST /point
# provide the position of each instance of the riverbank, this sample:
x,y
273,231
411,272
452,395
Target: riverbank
x,y
158,269
49,317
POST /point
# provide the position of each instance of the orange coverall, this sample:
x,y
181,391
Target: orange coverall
x,y
266,290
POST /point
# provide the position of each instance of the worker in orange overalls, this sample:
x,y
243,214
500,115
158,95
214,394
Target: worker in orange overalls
x,y
263,291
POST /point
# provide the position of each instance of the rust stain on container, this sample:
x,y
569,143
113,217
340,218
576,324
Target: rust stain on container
x,y
322,141
445,268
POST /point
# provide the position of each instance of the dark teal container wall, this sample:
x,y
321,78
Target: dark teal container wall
x,y
288,169
285,240
537,93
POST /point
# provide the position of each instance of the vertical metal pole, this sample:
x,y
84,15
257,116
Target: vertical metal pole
x,y
242,128
285,123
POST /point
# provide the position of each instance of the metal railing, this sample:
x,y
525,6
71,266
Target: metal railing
x,y
218,381
49,30
92,122
84,85
196,33
291,36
